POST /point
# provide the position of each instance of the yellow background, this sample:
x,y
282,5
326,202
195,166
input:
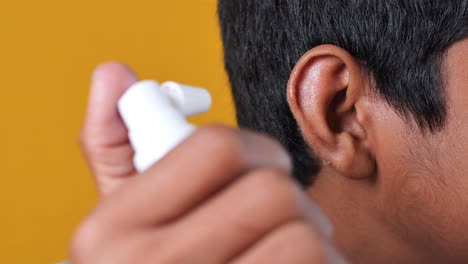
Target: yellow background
x,y
48,51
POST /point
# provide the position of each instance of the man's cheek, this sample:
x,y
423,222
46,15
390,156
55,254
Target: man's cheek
x,y
416,195
454,149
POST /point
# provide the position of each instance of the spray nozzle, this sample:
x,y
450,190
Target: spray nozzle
x,y
189,100
155,117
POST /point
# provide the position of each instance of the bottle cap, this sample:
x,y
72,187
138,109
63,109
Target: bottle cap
x,y
190,100
155,120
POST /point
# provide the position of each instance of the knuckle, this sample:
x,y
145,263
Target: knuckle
x,y
220,140
308,242
275,189
304,232
266,196
167,248
219,136
87,239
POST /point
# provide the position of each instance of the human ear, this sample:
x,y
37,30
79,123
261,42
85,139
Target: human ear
x,y
324,90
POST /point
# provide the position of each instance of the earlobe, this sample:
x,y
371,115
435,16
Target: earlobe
x,y
324,90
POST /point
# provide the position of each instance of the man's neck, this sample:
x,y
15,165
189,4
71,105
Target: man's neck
x,y
360,233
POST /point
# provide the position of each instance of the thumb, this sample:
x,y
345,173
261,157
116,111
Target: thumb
x,y
104,137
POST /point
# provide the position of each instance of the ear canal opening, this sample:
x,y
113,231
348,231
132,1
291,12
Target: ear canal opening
x,y
334,120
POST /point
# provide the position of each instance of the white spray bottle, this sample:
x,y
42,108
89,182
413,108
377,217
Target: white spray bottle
x,y
155,116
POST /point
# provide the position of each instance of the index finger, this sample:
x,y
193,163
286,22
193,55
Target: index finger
x,y
209,160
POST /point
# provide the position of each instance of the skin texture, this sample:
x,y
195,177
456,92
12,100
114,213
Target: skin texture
x,y
393,193
235,203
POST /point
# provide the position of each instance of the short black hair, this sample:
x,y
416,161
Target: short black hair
x,y
400,43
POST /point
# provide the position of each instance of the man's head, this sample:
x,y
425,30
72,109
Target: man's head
x,y
370,98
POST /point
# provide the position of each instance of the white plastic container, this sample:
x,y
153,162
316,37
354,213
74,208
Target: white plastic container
x,y
156,117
